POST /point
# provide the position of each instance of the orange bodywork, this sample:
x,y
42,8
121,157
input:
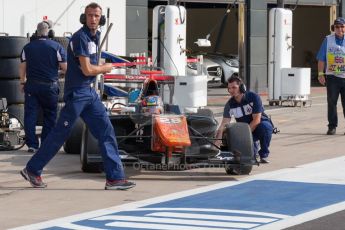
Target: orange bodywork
x,y
170,132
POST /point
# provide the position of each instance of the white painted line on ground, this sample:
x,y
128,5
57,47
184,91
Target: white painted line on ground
x,y
330,171
184,222
212,217
274,215
160,226
78,227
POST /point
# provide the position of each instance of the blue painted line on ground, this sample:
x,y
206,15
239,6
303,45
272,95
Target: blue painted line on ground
x,y
261,196
289,198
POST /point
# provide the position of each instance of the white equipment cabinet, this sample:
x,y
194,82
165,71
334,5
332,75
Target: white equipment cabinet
x,y
295,85
280,48
295,81
169,52
169,39
190,91
175,40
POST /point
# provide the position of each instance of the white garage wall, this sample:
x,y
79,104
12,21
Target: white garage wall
x,y
19,17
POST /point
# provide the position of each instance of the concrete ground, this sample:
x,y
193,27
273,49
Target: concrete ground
x,y
301,140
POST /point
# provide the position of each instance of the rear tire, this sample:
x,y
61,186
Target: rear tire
x,y
88,145
205,112
40,116
73,143
63,41
204,122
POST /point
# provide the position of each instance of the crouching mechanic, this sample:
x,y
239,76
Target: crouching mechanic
x,y
247,107
82,100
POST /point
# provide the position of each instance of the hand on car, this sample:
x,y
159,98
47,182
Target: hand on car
x,y
218,143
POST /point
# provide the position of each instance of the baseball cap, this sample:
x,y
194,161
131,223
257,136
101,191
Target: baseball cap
x,y
339,21
42,28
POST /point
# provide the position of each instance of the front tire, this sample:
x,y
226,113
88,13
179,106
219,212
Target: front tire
x,y
241,170
240,142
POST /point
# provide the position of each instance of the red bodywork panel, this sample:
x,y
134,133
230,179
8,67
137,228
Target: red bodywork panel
x,y
170,131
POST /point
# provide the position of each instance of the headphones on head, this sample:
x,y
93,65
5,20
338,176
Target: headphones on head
x,y
51,32
82,18
242,86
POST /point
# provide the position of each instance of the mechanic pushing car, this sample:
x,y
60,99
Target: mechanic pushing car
x,y
82,100
38,70
246,106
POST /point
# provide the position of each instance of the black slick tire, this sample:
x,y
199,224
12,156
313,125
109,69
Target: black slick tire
x,y
73,143
11,46
88,147
240,142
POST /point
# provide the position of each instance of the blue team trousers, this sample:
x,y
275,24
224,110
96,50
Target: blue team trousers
x,y
263,134
335,87
44,96
83,102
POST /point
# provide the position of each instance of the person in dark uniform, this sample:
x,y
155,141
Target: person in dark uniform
x,y
246,106
40,63
81,99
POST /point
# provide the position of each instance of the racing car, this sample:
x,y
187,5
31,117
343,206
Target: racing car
x,y
160,136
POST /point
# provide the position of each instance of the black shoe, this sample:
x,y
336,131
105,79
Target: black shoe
x,y
331,131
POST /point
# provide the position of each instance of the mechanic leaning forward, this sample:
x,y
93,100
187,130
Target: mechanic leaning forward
x,y
246,106
40,62
82,100
331,67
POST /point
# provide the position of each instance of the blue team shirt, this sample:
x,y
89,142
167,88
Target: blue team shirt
x,y
322,54
84,44
251,104
42,57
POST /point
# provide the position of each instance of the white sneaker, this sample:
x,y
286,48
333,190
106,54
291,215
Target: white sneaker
x,y
264,160
32,150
